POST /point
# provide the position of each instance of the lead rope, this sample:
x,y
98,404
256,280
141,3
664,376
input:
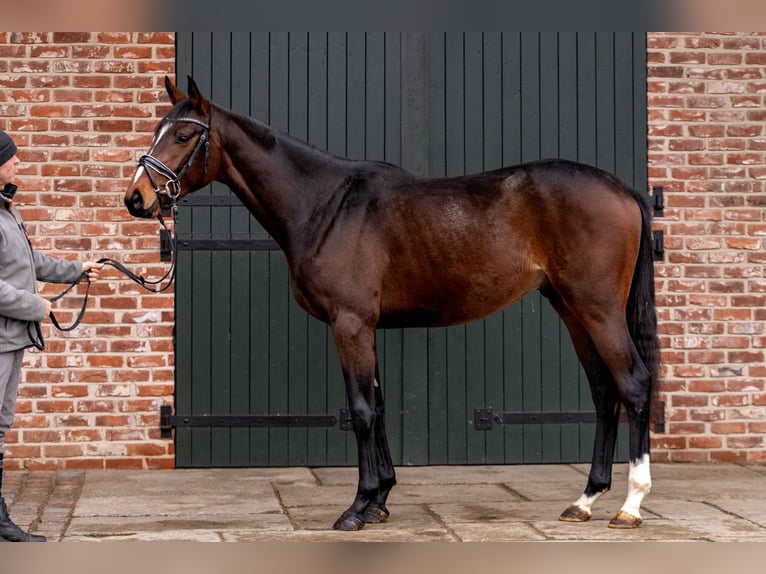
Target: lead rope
x,y
147,284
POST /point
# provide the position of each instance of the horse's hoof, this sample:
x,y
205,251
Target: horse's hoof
x,y
374,514
625,520
574,514
348,522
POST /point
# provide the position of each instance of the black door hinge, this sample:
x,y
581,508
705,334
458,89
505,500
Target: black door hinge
x,y
168,421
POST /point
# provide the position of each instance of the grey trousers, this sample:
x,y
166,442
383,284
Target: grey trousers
x,y
10,373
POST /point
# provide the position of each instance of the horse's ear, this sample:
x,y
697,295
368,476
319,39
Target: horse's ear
x,y
174,93
199,103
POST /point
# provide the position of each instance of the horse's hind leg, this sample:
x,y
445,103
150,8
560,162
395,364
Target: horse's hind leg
x,y
633,380
639,475
606,400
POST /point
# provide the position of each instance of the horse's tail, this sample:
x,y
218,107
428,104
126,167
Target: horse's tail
x,y
640,313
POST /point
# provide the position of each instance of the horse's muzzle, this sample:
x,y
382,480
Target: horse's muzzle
x,y
136,206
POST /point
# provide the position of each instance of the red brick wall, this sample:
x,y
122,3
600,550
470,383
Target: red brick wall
x,y
80,107
707,140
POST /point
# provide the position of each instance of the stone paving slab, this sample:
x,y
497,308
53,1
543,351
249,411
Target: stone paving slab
x,y
689,502
497,532
408,523
176,493
752,509
195,529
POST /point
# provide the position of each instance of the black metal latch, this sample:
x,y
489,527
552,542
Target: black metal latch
x,y
166,245
658,244
658,194
168,421
658,236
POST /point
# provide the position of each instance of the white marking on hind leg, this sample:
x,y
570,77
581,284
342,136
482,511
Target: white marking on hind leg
x,y
585,502
639,485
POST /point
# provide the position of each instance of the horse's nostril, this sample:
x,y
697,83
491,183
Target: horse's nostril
x,y
136,201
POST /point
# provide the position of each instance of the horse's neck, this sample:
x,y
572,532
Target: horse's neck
x,y
279,179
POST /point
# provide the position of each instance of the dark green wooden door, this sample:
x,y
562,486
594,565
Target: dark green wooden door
x,y
437,104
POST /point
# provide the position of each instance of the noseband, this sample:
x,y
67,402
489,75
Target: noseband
x,y
172,187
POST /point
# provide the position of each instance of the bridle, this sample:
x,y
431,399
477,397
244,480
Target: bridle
x,y
171,189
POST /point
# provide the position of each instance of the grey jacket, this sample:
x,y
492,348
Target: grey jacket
x,y
20,268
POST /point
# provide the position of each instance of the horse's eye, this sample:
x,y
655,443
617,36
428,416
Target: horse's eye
x,y
182,138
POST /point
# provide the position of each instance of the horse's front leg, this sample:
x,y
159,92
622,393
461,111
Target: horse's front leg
x,y
376,510
355,341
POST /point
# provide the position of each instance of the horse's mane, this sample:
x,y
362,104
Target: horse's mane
x,y
269,137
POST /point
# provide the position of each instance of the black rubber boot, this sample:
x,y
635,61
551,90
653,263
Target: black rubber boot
x,y
9,532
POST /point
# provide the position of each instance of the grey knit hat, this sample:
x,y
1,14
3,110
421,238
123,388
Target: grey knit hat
x,y
7,147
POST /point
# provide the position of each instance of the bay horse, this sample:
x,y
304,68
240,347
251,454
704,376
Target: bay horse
x,y
370,246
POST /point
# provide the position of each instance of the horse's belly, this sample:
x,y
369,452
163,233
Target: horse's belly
x,y
446,305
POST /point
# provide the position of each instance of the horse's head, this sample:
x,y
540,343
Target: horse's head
x,y
178,161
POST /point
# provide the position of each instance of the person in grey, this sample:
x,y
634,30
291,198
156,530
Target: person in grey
x,y
21,308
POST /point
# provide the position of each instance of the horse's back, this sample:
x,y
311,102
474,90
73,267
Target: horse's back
x,y
513,207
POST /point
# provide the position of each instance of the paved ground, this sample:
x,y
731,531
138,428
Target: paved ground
x,y
713,502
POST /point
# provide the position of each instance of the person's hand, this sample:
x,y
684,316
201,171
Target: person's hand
x,y
92,270
48,307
